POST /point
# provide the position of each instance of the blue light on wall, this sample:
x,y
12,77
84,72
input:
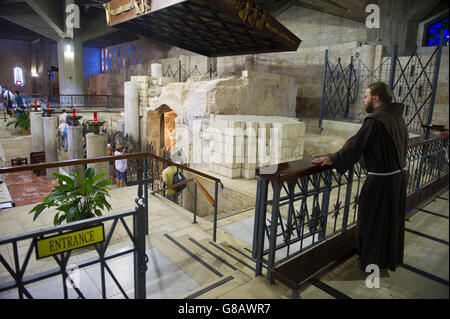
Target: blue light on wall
x,y
434,33
91,61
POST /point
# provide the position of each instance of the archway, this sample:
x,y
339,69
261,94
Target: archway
x,y
161,129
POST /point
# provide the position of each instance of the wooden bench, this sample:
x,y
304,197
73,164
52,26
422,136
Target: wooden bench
x,y
302,269
38,157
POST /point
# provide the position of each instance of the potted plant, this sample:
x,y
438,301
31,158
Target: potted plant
x,y
75,197
21,120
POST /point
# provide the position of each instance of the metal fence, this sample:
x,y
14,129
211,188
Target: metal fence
x,y
75,100
65,262
413,81
297,213
183,75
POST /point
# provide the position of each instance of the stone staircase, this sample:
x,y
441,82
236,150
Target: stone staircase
x,y
218,268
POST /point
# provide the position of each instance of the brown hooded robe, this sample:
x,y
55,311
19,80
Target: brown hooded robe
x,y
381,146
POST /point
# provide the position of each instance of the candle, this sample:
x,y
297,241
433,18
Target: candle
x,y
73,112
95,116
48,106
35,102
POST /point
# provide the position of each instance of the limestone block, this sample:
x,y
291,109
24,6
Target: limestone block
x,y
281,129
233,139
249,166
248,173
140,79
221,124
264,133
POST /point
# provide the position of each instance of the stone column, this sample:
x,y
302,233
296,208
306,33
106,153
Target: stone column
x,y
50,125
131,111
96,146
75,146
37,132
156,70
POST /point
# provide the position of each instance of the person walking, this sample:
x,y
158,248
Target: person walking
x,y
381,146
9,99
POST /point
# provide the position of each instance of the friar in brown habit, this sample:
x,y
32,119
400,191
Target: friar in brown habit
x,y
380,145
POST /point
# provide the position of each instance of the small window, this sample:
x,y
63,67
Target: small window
x,y
19,78
434,30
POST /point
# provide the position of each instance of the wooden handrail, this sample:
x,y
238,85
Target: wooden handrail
x,y
295,169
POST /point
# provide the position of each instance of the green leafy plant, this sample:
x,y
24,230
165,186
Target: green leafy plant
x,y
21,119
76,202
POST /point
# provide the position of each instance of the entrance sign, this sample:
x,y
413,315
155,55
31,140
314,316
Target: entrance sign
x,y
68,241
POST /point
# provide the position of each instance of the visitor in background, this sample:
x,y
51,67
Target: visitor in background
x,y
19,102
63,116
9,98
112,168
121,166
169,172
62,132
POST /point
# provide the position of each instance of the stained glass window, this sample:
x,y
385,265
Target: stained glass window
x,y
19,78
434,32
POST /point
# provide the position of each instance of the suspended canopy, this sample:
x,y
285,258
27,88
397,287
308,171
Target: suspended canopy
x,y
209,27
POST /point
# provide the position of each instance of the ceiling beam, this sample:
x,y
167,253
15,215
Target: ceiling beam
x,y
51,12
25,17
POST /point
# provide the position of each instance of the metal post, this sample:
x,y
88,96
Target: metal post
x,y
195,203
273,230
179,70
324,80
394,57
210,70
260,220
349,87
145,194
216,198
140,258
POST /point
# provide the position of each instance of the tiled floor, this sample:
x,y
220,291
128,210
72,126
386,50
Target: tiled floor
x,y
224,269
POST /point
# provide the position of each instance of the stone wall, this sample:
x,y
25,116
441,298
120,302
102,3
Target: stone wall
x,y
15,53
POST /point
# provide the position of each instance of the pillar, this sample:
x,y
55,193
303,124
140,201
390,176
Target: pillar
x,y
131,110
156,70
70,71
37,132
75,146
96,146
50,125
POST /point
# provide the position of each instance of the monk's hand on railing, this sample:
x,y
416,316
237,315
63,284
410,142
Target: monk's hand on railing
x,y
322,161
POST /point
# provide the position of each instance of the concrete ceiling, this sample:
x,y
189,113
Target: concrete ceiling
x,y
30,20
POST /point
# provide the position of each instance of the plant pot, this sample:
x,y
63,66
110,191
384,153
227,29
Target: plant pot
x,y
25,132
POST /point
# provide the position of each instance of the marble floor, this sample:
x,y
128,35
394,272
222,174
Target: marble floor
x,y
184,262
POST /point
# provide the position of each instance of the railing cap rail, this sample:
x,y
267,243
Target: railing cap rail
x,y
38,166
304,167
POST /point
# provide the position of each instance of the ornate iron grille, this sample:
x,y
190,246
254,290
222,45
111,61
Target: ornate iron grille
x,y
413,81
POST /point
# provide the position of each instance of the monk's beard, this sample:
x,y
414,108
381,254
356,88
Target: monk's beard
x,y
368,107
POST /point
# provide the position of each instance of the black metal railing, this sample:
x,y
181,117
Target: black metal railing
x,y
64,264
184,75
309,204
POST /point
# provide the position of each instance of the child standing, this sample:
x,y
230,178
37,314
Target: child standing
x,y
121,166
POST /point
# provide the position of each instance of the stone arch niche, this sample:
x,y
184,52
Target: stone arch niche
x,y
160,128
